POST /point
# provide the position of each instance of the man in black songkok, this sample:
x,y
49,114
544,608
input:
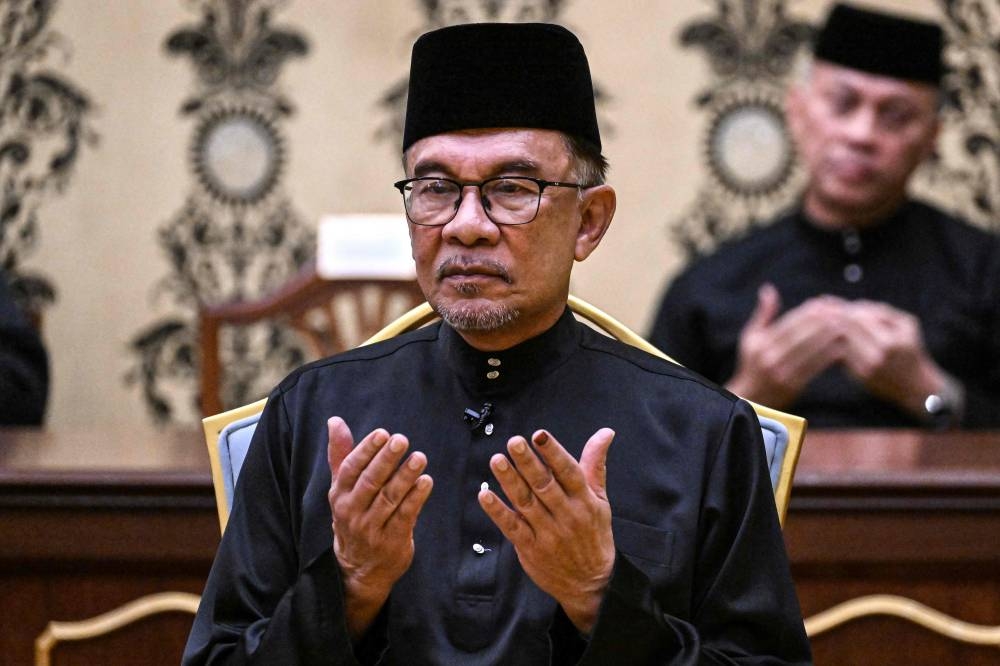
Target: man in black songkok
x,y
515,532
862,307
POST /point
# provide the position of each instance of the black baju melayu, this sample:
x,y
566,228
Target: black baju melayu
x,y
920,260
24,366
700,574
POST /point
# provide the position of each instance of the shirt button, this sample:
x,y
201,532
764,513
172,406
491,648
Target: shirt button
x,y
853,273
495,362
492,374
484,486
488,429
478,549
852,242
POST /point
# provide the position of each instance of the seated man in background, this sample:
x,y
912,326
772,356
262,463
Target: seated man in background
x,y
861,307
515,532
24,365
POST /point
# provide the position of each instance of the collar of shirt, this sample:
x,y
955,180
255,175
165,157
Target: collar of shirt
x,y
499,372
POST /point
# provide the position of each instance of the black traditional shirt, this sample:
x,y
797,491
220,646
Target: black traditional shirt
x,y
943,271
24,366
700,574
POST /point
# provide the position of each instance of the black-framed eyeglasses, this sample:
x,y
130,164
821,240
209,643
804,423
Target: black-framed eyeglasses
x,y
432,201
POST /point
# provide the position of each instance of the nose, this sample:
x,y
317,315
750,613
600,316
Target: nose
x,y
861,126
471,225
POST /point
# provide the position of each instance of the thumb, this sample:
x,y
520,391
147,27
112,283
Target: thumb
x,y
768,305
340,443
594,461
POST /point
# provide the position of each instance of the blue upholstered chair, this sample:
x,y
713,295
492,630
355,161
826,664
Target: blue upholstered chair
x,y
228,434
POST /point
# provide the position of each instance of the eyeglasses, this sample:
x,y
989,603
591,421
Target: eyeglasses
x,y
433,202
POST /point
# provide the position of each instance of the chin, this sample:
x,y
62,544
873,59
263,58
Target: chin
x,y
476,315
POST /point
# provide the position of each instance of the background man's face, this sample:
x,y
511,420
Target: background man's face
x,y
472,270
860,137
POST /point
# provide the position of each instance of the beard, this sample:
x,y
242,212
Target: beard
x,y
469,316
466,316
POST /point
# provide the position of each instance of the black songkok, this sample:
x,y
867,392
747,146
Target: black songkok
x,y
883,44
483,75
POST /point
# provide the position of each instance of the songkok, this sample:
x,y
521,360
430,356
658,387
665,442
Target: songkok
x,y
483,75
884,44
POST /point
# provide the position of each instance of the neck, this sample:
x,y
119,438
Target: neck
x,y
833,217
520,330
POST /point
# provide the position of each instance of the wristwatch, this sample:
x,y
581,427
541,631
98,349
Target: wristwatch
x,y
944,409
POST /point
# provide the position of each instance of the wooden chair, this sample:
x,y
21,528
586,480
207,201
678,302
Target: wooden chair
x,y
331,316
228,434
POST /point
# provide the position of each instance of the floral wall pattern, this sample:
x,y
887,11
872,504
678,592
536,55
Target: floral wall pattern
x,y
43,128
237,235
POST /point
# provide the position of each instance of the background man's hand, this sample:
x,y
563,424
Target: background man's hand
x,y
779,356
375,502
559,520
886,353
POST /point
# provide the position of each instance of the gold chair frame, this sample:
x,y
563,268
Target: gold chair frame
x,y
153,604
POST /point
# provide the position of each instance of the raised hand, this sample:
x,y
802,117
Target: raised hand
x,y
375,502
559,520
779,356
886,353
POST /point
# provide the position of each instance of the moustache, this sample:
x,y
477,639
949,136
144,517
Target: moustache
x,y
468,266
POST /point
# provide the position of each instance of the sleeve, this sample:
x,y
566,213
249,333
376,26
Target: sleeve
x,y
260,606
24,366
744,607
982,394
678,325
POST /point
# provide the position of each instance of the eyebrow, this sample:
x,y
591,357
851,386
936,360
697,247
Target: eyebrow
x,y
516,166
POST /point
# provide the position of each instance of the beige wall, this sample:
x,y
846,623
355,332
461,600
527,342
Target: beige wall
x,y
98,239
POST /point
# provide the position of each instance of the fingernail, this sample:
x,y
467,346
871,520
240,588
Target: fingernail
x,y
413,463
380,439
517,446
541,438
396,445
488,498
502,464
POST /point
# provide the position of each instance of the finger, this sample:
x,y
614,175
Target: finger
x,y
394,491
768,304
340,441
379,470
594,461
520,495
404,518
536,473
511,524
565,469
357,460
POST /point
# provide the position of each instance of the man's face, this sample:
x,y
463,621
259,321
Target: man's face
x,y
860,137
499,285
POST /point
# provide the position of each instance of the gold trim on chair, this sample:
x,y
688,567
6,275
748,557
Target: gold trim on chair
x,y
907,609
164,602
212,426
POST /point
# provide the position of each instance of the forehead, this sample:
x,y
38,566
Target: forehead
x,y
827,75
489,150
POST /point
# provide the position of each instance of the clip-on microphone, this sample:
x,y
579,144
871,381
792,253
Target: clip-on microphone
x,y
477,419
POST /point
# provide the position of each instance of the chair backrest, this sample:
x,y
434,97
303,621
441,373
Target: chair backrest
x,y
330,315
228,434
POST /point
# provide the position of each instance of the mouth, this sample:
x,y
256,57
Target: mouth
x,y
460,269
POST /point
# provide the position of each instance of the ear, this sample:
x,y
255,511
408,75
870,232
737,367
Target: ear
x,y
597,209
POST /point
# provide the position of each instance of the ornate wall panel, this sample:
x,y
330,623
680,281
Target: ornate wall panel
x,y
43,127
237,235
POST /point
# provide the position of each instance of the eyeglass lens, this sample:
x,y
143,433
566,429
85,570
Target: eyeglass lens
x,y
507,200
